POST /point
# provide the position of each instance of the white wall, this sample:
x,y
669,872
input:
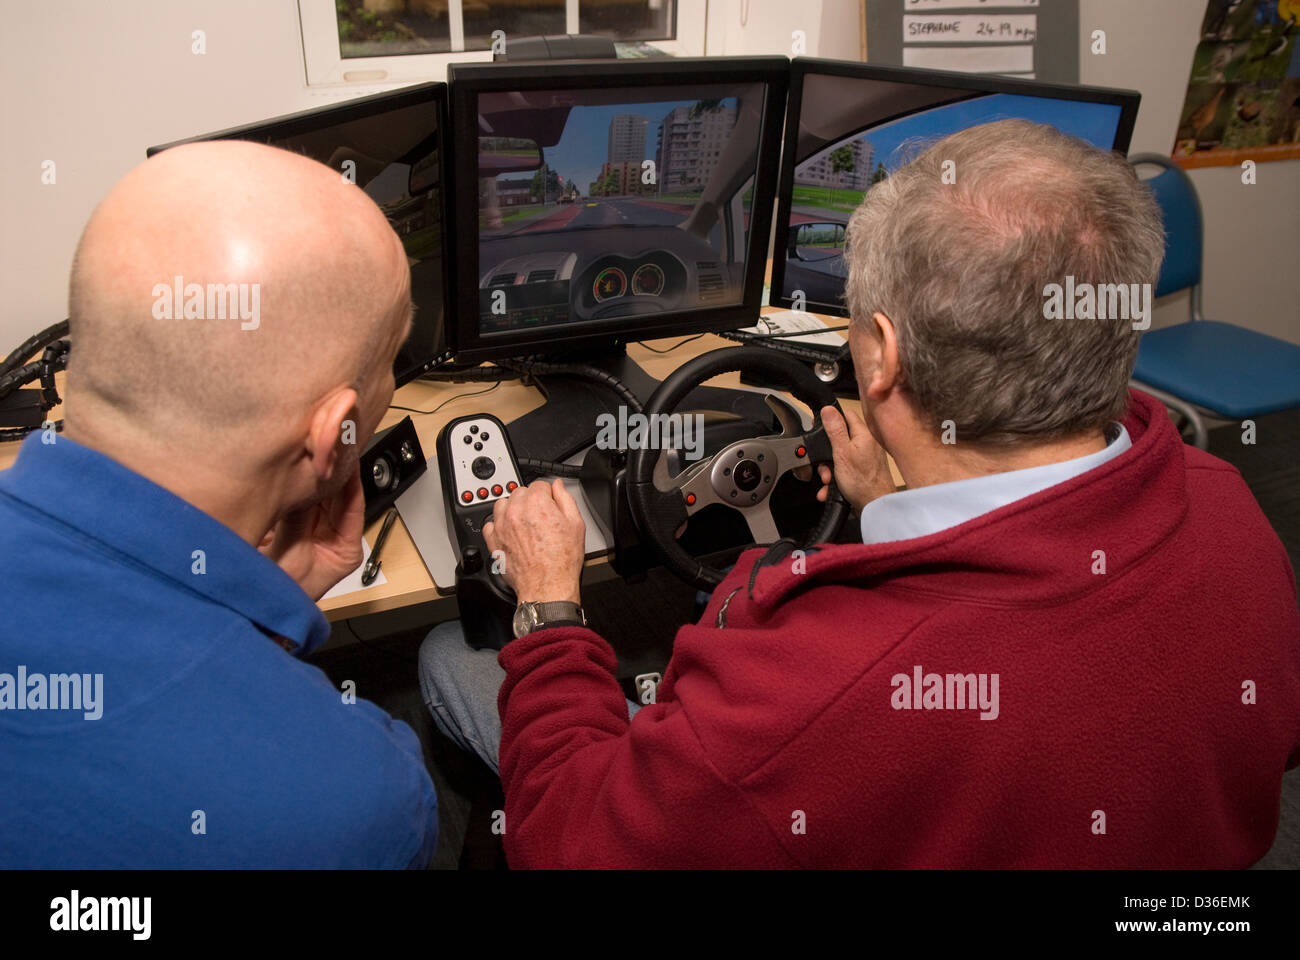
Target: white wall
x,y
754,27
91,83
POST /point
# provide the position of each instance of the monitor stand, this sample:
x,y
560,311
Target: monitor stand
x,y
566,423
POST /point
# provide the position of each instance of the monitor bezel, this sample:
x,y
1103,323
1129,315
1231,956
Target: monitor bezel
x,y
305,121
467,81
800,67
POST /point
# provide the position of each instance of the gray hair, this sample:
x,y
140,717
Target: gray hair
x,y
962,268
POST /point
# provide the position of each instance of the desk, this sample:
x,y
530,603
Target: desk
x,y
408,582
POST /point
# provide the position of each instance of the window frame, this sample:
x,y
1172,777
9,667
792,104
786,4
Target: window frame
x,y
325,65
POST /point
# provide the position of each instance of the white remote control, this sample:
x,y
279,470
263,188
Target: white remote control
x,y
482,465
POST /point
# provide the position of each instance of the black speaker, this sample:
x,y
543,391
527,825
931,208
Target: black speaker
x,y
391,462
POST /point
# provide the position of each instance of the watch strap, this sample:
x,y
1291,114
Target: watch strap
x,y
555,613
543,615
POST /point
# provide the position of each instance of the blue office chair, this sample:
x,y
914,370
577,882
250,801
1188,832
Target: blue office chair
x,y
1202,367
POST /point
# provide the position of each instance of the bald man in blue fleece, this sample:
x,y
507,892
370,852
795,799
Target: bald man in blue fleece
x,y
171,544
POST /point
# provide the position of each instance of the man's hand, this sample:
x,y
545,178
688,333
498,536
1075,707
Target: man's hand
x,y
861,468
319,545
540,532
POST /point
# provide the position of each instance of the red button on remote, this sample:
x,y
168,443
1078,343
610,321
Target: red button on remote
x,y
511,486
467,497
690,499
496,490
482,493
799,451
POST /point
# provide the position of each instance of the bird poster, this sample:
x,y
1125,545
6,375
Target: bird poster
x,y
1243,98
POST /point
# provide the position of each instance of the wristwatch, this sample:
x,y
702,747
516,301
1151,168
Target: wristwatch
x,y
532,616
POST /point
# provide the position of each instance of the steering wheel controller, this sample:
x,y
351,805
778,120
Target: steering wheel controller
x,y
743,473
477,467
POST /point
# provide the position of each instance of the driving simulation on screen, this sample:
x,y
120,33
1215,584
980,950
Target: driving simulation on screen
x,y
598,205
854,132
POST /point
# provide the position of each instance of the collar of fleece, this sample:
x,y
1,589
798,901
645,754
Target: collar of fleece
x,y
1036,551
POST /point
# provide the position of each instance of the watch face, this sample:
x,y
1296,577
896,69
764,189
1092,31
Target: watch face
x,y
525,618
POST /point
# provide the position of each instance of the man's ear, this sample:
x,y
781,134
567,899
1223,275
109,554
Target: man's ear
x,y
885,374
333,423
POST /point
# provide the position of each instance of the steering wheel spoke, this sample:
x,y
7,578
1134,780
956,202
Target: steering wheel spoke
x,y
692,484
761,523
791,452
697,493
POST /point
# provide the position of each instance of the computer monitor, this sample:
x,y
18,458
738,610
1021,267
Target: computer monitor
x,y
847,127
391,146
604,202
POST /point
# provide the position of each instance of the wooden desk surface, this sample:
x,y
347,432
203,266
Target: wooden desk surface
x,y
408,580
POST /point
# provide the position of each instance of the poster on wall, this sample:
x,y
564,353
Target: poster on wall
x,y
1243,98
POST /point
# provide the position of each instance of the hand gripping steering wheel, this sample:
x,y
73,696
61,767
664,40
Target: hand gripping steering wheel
x,y
743,473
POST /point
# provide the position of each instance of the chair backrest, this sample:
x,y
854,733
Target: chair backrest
x,y
1181,209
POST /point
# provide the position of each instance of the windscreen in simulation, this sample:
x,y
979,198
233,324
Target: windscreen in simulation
x,y
597,205
854,132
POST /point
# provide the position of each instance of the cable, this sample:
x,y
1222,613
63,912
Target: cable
x,y
9,383
549,468
673,347
459,396
33,345
814,353
586,371
791,333
13,379
54,359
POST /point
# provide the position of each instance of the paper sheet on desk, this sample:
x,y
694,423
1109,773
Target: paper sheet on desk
x,y
352,582
788,321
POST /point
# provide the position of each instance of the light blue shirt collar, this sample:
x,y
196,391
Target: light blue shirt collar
x,y
925,510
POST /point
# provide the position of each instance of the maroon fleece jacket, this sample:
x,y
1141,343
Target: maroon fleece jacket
x,y
1144,716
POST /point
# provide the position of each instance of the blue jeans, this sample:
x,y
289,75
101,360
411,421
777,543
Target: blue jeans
x,y
460,687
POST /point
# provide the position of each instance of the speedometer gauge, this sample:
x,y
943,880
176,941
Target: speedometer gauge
x,y
648,280
610,283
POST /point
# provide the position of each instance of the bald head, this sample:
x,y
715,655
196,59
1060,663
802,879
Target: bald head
x,y
222,289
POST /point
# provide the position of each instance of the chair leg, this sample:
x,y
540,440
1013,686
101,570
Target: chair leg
x,y
1200,433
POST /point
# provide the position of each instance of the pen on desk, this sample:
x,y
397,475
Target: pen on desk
x,y
373,563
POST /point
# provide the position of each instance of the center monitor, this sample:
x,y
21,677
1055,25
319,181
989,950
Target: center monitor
x,y
604,202
850,125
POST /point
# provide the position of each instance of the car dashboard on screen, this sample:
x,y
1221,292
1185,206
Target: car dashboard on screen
x,y
605,204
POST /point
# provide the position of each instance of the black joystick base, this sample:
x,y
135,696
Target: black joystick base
x,y
485,612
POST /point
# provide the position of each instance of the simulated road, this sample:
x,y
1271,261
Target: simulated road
x,y
614,212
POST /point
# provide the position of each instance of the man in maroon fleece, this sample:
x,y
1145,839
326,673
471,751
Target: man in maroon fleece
x,y
1072,641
